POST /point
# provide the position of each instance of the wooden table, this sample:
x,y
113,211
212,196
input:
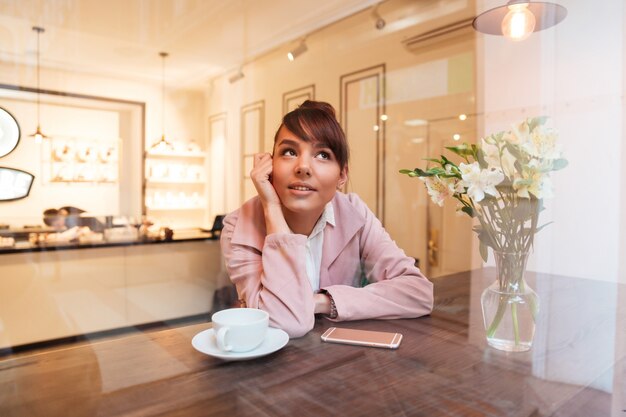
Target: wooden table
x,y
442,368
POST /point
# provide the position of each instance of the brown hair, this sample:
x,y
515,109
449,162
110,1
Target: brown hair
x,y
50,215
315,121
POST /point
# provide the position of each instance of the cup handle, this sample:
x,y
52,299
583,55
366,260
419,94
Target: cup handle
x,y
220,337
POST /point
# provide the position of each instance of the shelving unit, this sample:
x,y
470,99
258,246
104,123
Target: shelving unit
x,y
81,160
176,187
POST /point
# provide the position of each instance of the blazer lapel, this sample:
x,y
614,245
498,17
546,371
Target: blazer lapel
x,y
348,221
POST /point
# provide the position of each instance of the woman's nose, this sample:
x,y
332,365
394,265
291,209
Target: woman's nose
x,y
303,168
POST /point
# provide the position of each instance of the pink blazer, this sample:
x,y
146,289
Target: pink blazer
x,y
269,271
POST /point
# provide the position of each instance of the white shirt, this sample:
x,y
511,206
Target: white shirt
x,y
314,244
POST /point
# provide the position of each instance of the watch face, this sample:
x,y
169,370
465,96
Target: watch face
x,y
9,132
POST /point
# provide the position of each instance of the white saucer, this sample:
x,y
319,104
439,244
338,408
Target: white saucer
x,y
275,339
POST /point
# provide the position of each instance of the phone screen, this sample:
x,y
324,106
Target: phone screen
x,y
362,337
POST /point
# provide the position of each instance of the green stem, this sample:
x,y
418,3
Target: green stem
x,y
491,331
515,323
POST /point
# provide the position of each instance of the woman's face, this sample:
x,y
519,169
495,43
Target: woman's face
x,y
305,175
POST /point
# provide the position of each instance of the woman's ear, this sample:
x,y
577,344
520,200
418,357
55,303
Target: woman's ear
x,y
343,178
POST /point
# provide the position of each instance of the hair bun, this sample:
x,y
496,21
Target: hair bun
x,y
319,105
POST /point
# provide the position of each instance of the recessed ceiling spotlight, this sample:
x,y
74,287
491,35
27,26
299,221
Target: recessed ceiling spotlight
x,y
456,136
299,50
383,117
462,116
380,22
237,76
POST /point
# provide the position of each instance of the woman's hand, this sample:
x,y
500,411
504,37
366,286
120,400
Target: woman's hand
x,y
272,208
322,303
260,175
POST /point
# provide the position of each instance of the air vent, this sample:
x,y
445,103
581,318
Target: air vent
x,y
454,32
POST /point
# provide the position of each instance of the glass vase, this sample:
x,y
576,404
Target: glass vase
x,y
509,305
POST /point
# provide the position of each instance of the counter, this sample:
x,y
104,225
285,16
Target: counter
x,y
56,246
59,291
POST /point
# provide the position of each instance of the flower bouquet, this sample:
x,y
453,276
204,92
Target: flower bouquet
x,y
501,182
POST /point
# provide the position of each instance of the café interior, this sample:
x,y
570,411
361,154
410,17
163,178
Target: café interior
x,y
128,130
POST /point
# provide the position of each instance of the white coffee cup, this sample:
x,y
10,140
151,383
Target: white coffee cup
x,y
240,329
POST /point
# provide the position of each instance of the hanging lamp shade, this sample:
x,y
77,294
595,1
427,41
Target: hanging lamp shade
x,y
518,19
162,143
38,135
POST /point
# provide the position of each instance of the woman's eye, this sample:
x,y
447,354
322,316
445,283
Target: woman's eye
x,y
289,152
324,155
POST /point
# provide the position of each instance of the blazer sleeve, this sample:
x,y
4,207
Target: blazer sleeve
x,y
397,288
273,279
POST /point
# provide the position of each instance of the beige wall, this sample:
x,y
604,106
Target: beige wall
x,y
351,45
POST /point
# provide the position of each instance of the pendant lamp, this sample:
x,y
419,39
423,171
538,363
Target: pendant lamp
x,y
518,19
162,144
38,135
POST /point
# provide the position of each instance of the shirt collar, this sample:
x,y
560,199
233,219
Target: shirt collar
x,y
328,216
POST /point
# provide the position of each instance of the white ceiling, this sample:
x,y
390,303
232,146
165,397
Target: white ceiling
x,y
122,38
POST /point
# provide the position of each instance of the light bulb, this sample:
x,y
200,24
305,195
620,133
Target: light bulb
x,y
38,138
519,22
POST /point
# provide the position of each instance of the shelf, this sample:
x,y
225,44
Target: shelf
x,y
173,182
84,181
175,208
175,154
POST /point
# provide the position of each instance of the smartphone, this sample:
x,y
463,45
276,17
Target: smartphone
x,y
362,337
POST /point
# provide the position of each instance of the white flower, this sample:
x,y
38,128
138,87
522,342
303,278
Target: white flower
x,y
491,153
533,181
440,188
518,135
543,143
480,182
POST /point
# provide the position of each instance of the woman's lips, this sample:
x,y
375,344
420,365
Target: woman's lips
x,y
301,187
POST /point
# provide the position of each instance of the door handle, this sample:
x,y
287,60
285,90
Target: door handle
x,y
433,248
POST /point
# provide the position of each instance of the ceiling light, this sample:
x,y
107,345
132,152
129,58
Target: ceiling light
x,y
300,49
162,144
415,122
462,116
237,76
383,117
517,19
456,136
376,128
38,135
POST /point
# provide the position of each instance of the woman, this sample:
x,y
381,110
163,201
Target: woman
x,y
301,248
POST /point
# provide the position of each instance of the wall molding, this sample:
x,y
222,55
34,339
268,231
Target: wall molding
x,y
254,107
376,73
298,95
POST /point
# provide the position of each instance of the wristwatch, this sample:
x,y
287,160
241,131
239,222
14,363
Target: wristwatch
x,y
333,308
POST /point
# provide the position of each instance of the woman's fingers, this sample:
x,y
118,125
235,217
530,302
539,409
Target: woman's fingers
x,y
261,157
262,167
260,175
